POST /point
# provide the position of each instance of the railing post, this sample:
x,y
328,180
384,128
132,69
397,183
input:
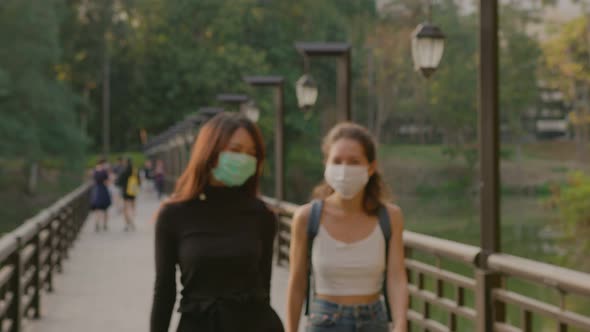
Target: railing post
x,y
38,283
85,207
50,255
488,311
74,215
68,230
279,241
77,217
16,313
60,234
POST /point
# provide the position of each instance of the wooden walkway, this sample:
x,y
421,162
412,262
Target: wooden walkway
x,y
108,280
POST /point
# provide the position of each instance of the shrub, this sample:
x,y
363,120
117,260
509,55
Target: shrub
x,y
572,200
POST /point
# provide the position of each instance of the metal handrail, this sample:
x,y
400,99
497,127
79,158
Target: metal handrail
x,y
557,277
441,247
31,254
284,208
425,243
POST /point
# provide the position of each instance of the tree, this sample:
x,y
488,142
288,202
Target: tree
x,y
37,116
567,56
571,200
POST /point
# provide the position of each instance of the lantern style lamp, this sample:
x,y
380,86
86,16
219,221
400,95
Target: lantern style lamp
x,y
307,92
189,137
428,44
251,111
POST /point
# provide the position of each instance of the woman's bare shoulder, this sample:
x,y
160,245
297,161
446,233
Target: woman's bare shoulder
x,y
396,216
300,219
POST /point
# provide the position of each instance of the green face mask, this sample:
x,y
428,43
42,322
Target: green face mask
x,y
234,169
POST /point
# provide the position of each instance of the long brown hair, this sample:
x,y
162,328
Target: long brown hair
x,y
376,193
213,137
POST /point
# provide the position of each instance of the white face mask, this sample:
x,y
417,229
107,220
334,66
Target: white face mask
x,y
346,180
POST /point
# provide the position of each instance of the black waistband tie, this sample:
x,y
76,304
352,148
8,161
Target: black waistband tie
x,y
221,313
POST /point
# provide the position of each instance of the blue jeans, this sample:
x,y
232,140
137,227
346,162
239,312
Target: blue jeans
x,y
333,317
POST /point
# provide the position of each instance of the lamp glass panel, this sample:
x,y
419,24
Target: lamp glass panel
x,y
306,92
252,113
310,95
425,48
438,47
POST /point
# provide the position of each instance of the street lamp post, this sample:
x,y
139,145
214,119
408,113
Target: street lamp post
x,y
427,49
488,310
489,126
342,52
277,82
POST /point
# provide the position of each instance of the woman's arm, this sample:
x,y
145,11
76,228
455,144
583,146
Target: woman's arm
x,y
298,265
397,280
165,284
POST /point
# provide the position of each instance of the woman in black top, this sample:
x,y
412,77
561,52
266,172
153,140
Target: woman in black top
x,y
220,235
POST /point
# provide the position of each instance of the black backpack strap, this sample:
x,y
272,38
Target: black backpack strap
x,y
313,225
385,225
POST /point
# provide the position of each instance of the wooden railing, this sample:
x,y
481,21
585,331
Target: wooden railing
x,y
33,253
453,288
562,281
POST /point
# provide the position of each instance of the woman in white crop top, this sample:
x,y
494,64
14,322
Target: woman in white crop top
x,y
348,259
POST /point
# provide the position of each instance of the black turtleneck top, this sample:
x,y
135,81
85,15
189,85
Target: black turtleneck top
x,y
222,242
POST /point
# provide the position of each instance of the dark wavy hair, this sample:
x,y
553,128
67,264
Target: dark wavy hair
x,y
376,192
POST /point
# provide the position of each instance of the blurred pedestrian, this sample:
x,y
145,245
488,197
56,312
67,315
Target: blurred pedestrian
x,y
147,174
118,166
159,178
117,169
100,199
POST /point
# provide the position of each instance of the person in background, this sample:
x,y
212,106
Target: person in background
x,y
100,199
350,240
129,182
119,166
159,177
220,234
147,172
117,169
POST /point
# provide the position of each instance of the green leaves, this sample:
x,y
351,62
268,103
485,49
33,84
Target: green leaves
x,y
37,114
571,200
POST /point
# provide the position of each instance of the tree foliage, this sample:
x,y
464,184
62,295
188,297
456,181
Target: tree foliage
x,y
567,56
37,110
168,58
571,200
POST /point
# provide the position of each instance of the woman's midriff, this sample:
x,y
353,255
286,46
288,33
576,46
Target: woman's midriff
x,y
350,299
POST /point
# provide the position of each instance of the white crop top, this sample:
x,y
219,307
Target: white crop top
x,y
341,268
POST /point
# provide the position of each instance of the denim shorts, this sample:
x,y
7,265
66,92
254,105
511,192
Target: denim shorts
x,y
333,317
